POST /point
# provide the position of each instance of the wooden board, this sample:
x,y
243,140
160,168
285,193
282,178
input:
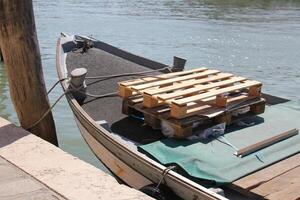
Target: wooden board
x,y
188,83
216,92
159,77
176,79
265,143
279,183
197,88
278,180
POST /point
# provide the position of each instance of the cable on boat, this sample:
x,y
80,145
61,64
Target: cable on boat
x,y
111,94
127,74
47,112
225,141
144,76
49,91
164,173
60,97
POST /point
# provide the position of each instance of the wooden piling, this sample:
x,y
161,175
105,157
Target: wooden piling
x,y
1,57
19,45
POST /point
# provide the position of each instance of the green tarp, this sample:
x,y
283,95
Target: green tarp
x,y
214,160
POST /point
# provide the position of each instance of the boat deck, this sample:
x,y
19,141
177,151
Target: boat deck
x,y
279,181
111,112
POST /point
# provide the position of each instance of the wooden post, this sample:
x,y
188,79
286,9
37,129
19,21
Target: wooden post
x,y
19,45
1,57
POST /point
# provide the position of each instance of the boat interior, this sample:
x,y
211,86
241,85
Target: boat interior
x,y
106,60
102,59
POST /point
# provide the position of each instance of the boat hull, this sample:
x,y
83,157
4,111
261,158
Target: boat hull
x,y
132,167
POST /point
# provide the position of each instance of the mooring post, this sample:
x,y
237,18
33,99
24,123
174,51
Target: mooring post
x,y
20,50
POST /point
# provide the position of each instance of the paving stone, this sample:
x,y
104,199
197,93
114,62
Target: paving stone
x,y
43,194
17,185
9,172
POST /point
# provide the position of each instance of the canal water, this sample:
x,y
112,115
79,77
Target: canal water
x,y
257,39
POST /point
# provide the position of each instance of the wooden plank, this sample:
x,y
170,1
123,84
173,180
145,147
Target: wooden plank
x,y
172,80
200,88
253,180
265,143
198,97
162,76
187,84
279,183
291,192
205,109
198,108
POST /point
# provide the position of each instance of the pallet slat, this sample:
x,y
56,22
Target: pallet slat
x,y
199,97
172,80
200,88
162,76
188,83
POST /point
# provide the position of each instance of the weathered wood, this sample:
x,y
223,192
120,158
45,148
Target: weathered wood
x,y
249,184
19,45
262,176
281,183
291,192
1,56
265,143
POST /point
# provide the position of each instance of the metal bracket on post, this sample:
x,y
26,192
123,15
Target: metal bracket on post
x,y
178,64
77,84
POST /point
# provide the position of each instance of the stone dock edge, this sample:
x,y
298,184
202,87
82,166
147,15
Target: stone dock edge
x,y
66,176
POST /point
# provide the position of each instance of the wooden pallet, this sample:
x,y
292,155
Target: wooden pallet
x,y
184,127
186,95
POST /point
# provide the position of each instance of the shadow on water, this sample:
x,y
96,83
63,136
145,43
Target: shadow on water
x,y
3,93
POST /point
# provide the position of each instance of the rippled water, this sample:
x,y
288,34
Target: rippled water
x,y
257,39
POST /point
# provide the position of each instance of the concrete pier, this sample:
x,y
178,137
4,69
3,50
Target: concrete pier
x,y
31,168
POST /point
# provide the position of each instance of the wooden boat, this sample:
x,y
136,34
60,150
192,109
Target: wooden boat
x,y
117,149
